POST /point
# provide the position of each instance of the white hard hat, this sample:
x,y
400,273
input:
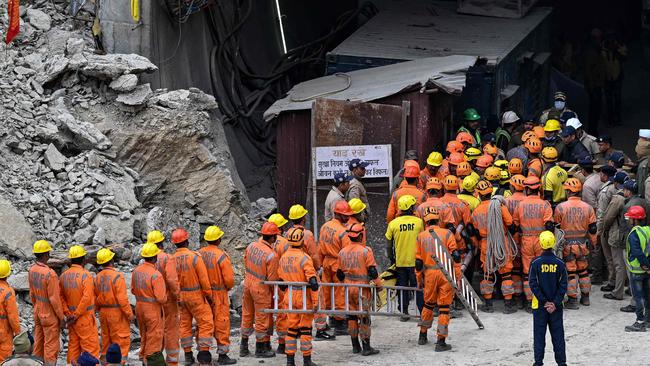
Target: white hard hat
x,y
645,133
509,117
574,122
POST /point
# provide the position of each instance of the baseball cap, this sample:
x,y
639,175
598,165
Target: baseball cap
x,y
568,131
489,137
559,96
620,177
574,122
617,157
604,138
566,116
608,170
585,161
341,178
631,185
354,163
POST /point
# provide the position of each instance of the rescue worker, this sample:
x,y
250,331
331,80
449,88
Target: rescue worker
x,y
222,279
459,208
410,158
482,163
463,169
357,208
148,287
472,125
466,139
401,234
553,177
638,263
195,297
493,176
480,231
357,265
332,239
509,122
166,265
532,216
518,134
552,136
578,221
280,246
261,264
357,190
337,193
434,162
115,314
548,282
435,192
517,186
411,176
471,155
45,294
574,150
437,289
603,257
515,166
467,192
520,151
78,299
534,165
454,146
22,345
504,185
296,266
9,317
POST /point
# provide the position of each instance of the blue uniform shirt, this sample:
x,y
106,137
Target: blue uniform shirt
x,y
547,279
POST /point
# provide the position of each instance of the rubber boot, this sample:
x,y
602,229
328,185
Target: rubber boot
x,y
367,350
225,360
572,304
341,327
262,352
243,348
291,360
584,299
356,346
422,340
322,335
189,359
281,349
442,346
306,361
509,307
487,307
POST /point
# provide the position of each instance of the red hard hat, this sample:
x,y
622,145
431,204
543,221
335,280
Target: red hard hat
x,y
180,235
635,212
343,208
270,228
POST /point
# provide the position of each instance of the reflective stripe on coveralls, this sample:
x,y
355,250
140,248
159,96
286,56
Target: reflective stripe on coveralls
x,y
45,293
148,287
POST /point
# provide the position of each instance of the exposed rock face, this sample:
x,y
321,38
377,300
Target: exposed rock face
x,y
17,235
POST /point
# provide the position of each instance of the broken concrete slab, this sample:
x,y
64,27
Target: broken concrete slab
x,y
17,235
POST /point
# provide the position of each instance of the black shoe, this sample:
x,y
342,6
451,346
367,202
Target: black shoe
x,y
341,327
189,359
529,307
404,318
571,304
607,288
584,299
243,348
356,346
261,350
225,360
636,327
628,309
522,302
367,350
422,340
281,349
487,307
611,297
442,346
322,335
509,307
291,360
307,361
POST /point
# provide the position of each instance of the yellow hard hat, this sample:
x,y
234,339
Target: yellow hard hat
x,y
547,239
472,153
278,219
549,154
469,182
505,176
405,202
5,268
41,246
213,233
492,173
296,212
76,251
149,250
104,255
356,205
155,237
435,159
501,164
552,125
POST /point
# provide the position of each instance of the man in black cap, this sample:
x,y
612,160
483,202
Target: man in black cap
x,y
559,107
602,253
617,160
574,150
612,226
591,183
606,150
357,190
337,193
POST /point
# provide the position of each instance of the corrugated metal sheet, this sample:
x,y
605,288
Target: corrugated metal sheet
x,y
367,85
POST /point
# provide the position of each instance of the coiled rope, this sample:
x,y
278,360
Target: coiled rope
x,y
499,251
559,242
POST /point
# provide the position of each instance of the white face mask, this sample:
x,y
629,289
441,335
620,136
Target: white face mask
x,y
559,105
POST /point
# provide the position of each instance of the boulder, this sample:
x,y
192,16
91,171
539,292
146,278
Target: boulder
x,y
115,230
82,135
124,83
111,66
17,235
39,19
54,159
138,96
74,46
19,281
54,68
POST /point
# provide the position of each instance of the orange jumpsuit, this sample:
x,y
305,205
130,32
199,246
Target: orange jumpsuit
x,y
45,293
446,212
462,216
195,288
296,266
280,246
148,287
311,248
261,264
480,222
222,279
437,290
425,175
534,167
531,215
78,298
333,238
392,211
166,265
355,260
517,267
114,311
9,320
575,216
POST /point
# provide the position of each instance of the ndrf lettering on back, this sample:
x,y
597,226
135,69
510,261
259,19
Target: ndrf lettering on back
x,y
549,268
406,227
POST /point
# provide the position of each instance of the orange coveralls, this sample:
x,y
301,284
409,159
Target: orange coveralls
x,y
148,287
166,265
78,298
531,215
222,279
462,215
195,288
45,293
261,264
333,238
446,212
9,320
517,267
534,167
296,266
574,217
437,290
392,211
354,261
114,311
280,246
480,222
425,175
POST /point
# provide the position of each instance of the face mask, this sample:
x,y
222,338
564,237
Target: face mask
x,y
559,105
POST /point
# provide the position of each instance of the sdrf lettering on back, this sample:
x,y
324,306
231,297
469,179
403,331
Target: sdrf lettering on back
x,y
549,268
406,227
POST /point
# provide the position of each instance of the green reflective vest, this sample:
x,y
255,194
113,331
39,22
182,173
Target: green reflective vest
x,y
644,234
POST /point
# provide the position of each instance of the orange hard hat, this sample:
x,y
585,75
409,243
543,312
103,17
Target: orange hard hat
x,y
450,183
341,207
414,163
573,184
411,172
180,235
431,213
484,187
490,149
463,169
539,132
465,138
270,228
456,158
527,135
517,182
532,182
515,166
454,146
533,145
434,183
484,161
355,230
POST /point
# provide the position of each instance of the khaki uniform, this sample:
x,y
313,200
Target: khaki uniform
x,y
357,190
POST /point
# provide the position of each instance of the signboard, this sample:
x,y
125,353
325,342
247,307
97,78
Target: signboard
x,y
330,160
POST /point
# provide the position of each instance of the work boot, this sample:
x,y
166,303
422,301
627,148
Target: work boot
x,y
636,327
262,352
422,340
225,360
281,349
628,309
529,307
584,299
369,351
487,307
322,335
522,302
607,288
572,304
243,348
442,346
189,359
291,360
509,307
341,327
306,361
356,346
405,318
